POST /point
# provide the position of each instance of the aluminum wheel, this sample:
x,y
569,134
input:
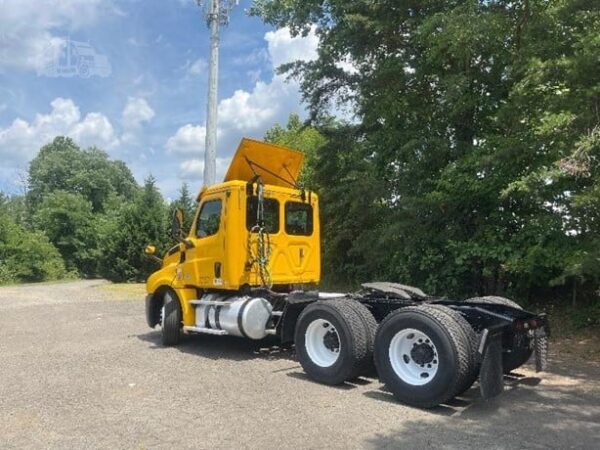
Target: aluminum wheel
x,y
322,343
414,357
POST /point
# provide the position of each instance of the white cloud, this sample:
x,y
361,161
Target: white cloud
x,y
94,130
284,48
251,113
267,103
21,140
26,26
188,140
193,169
136,112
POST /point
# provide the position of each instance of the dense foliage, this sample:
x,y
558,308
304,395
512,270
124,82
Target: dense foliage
x,y
83,215
472,164
25,255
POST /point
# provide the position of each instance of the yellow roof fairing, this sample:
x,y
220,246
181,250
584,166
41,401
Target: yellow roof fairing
x,y
277,165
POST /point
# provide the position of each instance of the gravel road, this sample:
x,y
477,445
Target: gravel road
x,y
79,368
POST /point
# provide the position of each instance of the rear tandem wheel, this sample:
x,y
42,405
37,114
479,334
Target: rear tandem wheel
x,y
423,355
333,343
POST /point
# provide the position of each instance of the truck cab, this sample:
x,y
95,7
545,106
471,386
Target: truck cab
x,y
256,228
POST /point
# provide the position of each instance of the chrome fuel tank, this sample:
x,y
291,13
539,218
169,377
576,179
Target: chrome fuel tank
x,y
238,316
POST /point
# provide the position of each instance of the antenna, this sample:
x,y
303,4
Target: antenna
x,y
217,14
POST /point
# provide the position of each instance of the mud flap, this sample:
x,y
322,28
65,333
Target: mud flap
x,y
540,345
491,379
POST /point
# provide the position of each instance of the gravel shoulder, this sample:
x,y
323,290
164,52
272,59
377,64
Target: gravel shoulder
x,y
80,368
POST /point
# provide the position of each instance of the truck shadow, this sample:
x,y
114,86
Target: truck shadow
x,y
224,347
524,416
460,404
236,349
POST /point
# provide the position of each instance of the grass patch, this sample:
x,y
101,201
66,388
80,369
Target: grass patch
x,y
129,289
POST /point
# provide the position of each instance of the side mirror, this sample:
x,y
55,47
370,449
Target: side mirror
x,y
177,224
150,250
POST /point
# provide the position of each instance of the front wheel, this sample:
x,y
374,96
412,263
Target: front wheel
x,y
170,319
332,342
422,355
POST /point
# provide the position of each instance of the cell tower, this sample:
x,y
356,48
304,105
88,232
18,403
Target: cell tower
x,y
217,14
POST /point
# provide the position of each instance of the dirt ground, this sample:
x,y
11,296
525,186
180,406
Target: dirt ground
x,y
79,368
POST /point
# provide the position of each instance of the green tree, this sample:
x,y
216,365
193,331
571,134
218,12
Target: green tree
x,y
296,135
470,115
187,204
62,165
68,221
124,234
25,255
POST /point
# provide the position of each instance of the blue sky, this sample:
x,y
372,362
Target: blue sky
x,y
148,108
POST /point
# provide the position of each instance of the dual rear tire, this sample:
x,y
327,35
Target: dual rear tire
x,y
334,340
425,355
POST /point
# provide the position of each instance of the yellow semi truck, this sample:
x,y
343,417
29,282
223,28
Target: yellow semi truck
x,y
250,265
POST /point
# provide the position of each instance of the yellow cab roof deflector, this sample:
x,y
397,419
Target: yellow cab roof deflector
x,y
279,166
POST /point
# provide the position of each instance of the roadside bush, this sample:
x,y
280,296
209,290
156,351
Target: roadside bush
x,y
27,255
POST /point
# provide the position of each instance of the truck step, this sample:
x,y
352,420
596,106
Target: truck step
x,y
205,330
209,302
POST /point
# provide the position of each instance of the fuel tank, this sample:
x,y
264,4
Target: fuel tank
x,y
241,316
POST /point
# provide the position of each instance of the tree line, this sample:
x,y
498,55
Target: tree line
x,y
471,165
83,215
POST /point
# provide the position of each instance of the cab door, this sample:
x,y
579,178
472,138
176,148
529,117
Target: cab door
x,y
203,261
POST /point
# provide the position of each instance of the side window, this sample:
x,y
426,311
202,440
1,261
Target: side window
x,y
209,219
271,214
298,219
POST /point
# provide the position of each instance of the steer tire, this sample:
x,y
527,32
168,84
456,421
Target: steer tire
x,y
171,320
519,356
353,351
451,351
370,325
472,340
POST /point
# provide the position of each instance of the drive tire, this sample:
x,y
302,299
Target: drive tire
x,y
339,318
450,347
472,340
518,357
370,325
171,320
